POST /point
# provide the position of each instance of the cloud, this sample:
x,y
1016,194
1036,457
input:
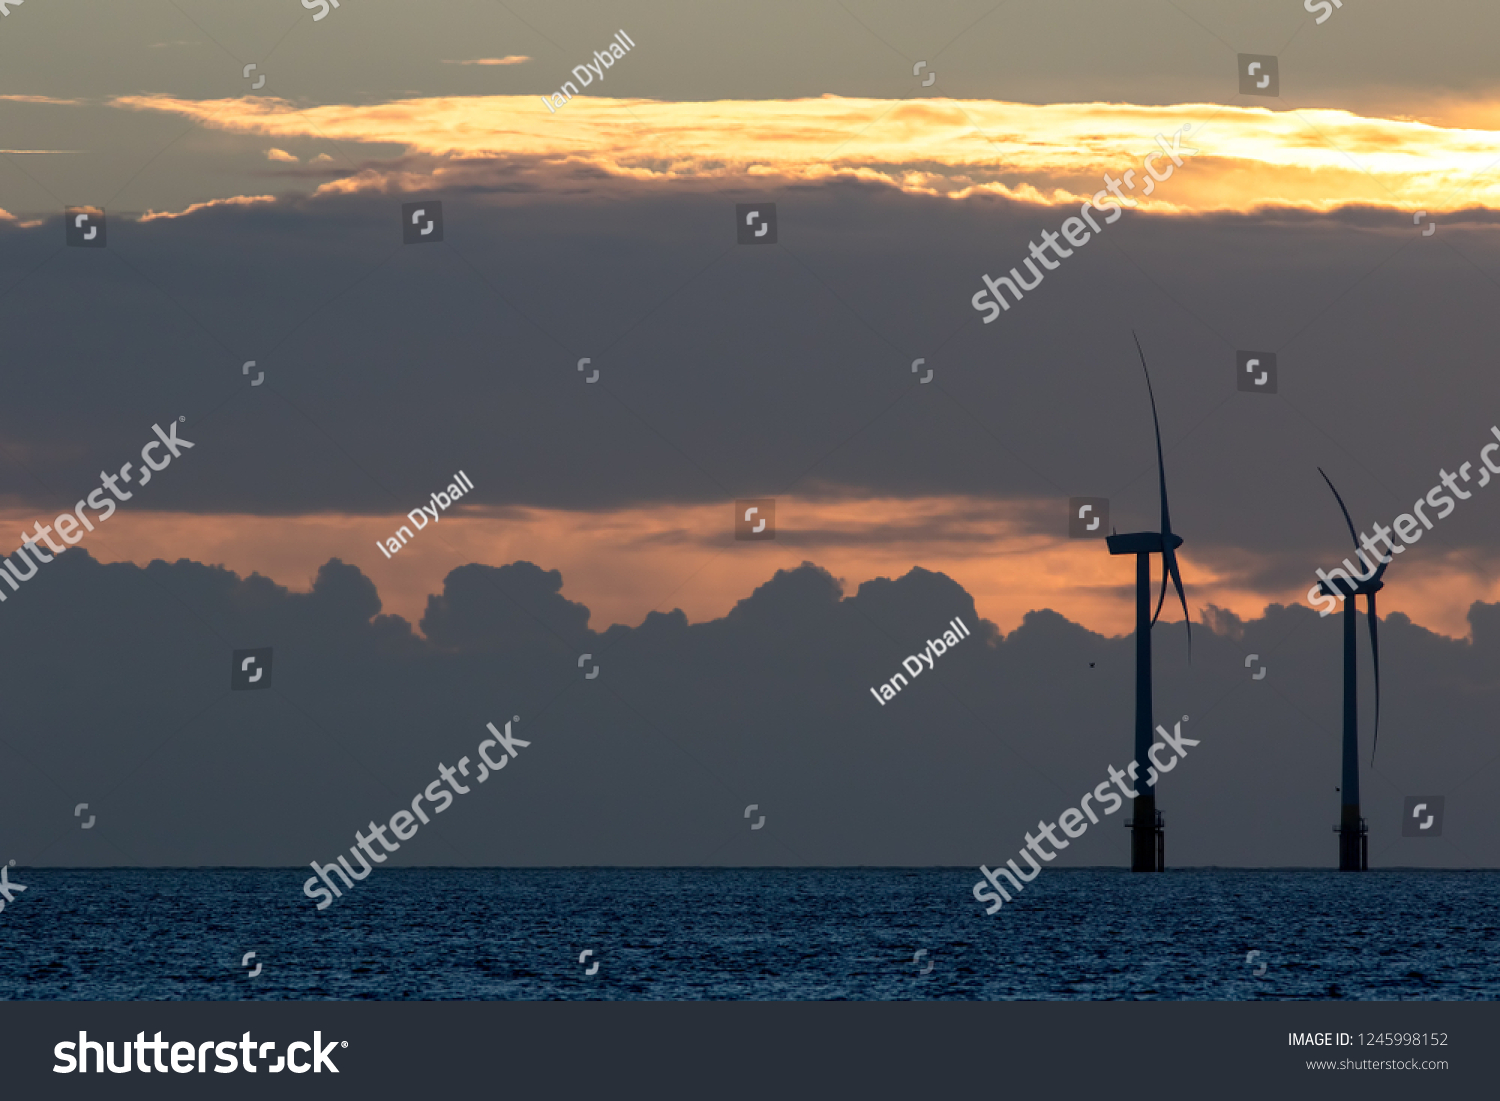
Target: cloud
x,y
13,98
280,155
1249,158
729,372
653,761
512,59
236,200
7,216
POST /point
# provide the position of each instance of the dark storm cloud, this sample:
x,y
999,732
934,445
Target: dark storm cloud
x,y
118,696
738,371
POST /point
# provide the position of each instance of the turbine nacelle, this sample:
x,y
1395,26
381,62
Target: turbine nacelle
x,y
1142,542
1342,588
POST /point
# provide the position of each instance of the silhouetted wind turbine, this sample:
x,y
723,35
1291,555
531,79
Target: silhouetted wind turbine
x,y
1146,826
1354,852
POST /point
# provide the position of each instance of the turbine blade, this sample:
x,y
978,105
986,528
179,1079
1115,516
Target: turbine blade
x,y
1161,469
1168,554
1171,567
1380,569
1163,598
1340,500
1375,656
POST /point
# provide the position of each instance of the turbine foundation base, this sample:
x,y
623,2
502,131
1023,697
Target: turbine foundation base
x,y
1147,837
1354,841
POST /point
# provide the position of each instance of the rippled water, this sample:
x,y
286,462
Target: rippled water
x,y
843,933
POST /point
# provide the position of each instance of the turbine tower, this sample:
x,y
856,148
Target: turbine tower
x,y
1146,829
1354,839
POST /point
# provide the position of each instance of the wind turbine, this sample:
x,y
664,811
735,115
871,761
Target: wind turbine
x,y
1354,840
1146,829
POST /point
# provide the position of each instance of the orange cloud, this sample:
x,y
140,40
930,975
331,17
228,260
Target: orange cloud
x,y
41,99
1249,157
235,200
626,563
509,59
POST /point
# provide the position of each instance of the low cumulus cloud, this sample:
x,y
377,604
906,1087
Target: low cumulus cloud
x,y
654,759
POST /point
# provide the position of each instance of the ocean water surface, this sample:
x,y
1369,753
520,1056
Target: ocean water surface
x,y
742,933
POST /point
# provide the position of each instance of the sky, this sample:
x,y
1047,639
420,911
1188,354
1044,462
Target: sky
x,y
255,290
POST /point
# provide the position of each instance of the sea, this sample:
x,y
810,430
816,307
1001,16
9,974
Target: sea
x,y
751,933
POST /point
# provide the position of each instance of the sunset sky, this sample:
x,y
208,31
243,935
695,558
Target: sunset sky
x,y
589,344
263,225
